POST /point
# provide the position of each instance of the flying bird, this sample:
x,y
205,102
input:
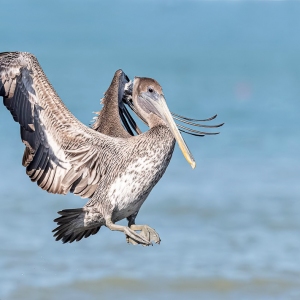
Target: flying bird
x,y
113,163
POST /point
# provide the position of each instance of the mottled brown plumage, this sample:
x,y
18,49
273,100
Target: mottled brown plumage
x,y
112,101
105,163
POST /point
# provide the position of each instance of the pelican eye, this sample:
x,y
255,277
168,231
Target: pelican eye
x,y
150,90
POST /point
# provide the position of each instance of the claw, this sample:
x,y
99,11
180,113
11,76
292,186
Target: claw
x,y
153,235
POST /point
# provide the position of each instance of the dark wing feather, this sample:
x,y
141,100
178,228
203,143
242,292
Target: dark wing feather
x,y
61,153
108,119
114,111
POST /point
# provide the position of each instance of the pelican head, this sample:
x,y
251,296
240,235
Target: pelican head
x,y
150,104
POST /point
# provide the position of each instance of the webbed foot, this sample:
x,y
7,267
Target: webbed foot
x,y
147,233
130,233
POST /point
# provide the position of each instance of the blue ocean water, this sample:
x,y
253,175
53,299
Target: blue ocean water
x,y
230,228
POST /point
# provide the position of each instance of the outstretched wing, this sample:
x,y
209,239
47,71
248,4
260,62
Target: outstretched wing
x,y
61,153
114,111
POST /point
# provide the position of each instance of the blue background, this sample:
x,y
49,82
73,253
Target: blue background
x,y
230,228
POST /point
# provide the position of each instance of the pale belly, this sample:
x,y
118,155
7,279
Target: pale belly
x,y
131,188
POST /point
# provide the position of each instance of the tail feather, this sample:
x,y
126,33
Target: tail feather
x,y
71,225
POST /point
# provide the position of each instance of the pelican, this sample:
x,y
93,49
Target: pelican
x,y
106,163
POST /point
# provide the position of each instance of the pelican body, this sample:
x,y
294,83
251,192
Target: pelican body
x,y
115,169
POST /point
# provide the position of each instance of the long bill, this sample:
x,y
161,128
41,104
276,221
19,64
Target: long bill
x,y
166,114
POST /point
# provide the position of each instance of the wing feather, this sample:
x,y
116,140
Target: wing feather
x,y
61,153
115,110
112,101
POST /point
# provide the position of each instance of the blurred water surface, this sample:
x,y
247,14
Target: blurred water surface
x,y
230,228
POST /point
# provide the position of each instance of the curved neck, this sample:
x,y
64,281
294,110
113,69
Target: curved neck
x,y
154,121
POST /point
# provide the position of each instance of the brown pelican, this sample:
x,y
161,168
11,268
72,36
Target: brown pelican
x,y
108,164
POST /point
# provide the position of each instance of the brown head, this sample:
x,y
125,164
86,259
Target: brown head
x,y
149,102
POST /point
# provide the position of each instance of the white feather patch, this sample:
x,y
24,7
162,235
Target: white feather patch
x,y
126,189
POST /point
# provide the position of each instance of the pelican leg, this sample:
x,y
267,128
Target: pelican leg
x,y
138,239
